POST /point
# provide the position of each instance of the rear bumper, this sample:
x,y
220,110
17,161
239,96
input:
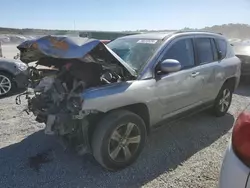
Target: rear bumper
x,y
234,174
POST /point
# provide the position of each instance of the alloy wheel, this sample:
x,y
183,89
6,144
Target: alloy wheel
x,y
5,85
124,142
225,100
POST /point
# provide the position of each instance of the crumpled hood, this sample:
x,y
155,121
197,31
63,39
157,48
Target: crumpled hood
x,y
61,47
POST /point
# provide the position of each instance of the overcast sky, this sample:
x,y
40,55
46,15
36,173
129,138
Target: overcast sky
x,y
122,14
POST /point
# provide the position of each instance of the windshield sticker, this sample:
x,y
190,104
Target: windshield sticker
x,y
147,41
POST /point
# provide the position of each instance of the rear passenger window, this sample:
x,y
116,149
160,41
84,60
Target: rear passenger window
x,y
204,50
182,51
222,45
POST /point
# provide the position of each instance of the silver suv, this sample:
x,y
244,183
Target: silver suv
x,y
165,76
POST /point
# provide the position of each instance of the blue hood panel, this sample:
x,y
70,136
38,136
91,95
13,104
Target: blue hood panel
x,y
61,47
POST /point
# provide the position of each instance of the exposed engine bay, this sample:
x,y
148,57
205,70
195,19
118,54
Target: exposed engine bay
x,y
55,94
55,97
67,84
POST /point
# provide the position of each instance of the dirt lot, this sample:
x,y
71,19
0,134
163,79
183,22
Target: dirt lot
x,y
184,154
187,153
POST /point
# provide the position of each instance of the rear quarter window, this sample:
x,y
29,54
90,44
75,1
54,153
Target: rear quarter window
x,y
205,50
222,46
230,50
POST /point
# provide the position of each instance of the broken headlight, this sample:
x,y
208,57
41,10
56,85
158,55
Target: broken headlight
x,y
21,66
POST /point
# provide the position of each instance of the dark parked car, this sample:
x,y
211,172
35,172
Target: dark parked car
x,y
13,74
242,51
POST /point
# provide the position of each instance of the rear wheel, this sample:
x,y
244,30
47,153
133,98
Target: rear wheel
x,y
6,84
223,101
118,139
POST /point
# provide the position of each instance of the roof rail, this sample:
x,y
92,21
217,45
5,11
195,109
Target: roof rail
x,y
186,31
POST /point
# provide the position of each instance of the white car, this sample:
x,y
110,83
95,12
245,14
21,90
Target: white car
x,y
235,169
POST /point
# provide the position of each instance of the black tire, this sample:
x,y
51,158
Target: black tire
x,y
12,84
101,139
217,107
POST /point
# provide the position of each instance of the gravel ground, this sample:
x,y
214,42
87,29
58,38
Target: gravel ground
x,y
187,153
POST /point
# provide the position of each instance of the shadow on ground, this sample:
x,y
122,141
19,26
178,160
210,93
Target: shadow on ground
x,y
39,161
16,92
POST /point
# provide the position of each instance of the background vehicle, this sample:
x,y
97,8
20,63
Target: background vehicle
x,y
13,74
147,78
242,51
235,169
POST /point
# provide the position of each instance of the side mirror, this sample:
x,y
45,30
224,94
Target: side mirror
x,y
170,65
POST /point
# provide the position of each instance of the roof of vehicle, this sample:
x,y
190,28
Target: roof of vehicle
x,y
163,35
150,35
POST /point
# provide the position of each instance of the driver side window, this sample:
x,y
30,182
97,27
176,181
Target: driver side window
x,y
183,51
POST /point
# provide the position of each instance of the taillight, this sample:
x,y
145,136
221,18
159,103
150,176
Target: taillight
x,y
241,138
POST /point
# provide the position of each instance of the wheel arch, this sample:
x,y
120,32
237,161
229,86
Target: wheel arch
x,y
140,109
232,82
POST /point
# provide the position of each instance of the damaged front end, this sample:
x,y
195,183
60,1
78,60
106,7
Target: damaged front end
x,y
55,96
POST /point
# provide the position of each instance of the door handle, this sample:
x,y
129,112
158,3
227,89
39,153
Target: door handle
x,y
194,74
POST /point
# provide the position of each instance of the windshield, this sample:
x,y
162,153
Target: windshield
x,y
135,52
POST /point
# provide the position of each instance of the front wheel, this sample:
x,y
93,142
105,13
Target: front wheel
x,y
223,101
118,139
